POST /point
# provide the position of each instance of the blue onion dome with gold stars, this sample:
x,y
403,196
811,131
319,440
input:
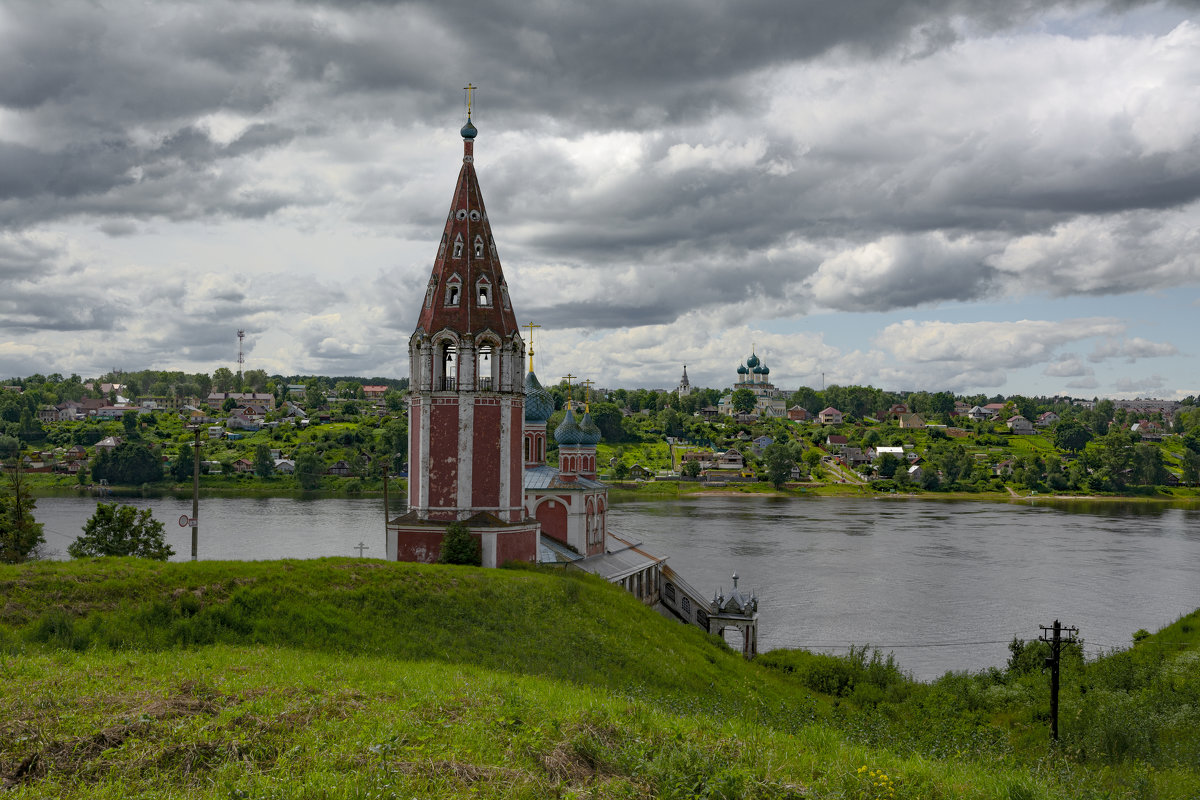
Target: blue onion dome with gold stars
x,y
752,361
568,431
539,405
589,429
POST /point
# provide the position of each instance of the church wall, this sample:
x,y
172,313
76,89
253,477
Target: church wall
x,y
414,453
517,546
552,514
423,547
485,477
443,457
515,464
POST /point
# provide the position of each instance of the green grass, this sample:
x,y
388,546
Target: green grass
x,y
350,678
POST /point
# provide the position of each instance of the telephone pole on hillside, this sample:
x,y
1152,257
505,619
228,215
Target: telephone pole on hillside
x,y
1056,642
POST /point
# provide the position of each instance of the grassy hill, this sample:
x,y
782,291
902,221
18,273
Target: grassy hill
x,y
350,678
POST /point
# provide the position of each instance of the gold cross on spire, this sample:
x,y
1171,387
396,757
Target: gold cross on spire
x,y
531,326
587,403
568,378
470,90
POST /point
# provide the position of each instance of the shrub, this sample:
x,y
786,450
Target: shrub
x,y
459,546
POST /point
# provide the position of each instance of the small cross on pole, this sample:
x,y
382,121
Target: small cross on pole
x,y
470,90
587,403
568,378
531,326
360,547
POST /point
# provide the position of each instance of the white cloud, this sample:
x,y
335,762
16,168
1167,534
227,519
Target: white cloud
x,y
1129,385
1006,345
1068,366
1131,349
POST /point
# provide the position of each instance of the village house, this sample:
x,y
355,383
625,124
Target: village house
x,y
108,443
217,399
1020,426
912,421
830,416
760,444
374,394
836,441
1046,418
730,459
799,413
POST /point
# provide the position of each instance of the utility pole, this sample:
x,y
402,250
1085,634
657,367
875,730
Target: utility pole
x,y
1056,642
195,493
386,511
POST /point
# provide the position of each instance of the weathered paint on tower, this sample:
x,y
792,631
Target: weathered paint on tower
x,y
466,401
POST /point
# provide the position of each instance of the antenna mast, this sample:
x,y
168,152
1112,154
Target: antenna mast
x,y
241,356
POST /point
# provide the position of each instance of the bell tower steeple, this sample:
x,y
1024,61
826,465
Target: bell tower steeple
x,y
467,393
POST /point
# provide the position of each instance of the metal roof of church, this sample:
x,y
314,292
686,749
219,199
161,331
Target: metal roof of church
x,y
546,477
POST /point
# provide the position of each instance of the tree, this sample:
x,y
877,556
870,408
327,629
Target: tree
x,y
314,396
264,465
184,466
20,536
778,460
120,530
129,421
888,464
459,546
1071,435
222,379
691,468
129,462
744,401
308,470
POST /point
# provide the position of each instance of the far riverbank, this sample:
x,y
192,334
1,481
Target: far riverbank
x,y
53,486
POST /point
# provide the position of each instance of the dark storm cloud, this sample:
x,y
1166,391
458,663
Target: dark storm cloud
x,y
878,199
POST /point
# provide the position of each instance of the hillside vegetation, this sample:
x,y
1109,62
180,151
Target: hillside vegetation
x,y
352,678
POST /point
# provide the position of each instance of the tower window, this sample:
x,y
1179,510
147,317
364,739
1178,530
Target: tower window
x,y
452,295
458,246
479,247
483,296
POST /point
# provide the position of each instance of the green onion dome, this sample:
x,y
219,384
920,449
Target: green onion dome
x,y
591,433
539,405
568,431
766,370
759,370
752,361
742,370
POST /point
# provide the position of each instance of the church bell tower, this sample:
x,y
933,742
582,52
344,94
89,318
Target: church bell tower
x,y
466,395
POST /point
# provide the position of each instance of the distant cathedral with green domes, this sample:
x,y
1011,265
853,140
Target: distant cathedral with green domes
x,y
755,375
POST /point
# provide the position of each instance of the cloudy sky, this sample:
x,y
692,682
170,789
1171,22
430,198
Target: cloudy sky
x,y
996,197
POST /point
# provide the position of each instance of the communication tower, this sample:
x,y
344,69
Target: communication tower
x,y
241,356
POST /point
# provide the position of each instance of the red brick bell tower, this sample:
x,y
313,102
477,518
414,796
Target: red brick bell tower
x,y
466,395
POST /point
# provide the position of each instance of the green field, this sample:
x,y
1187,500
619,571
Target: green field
x,y
360,679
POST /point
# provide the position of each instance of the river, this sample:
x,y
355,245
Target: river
x,y
943,585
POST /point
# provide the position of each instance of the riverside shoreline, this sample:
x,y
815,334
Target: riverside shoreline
x,y
650,490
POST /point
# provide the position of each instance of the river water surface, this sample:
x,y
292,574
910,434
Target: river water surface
x,y
943,585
